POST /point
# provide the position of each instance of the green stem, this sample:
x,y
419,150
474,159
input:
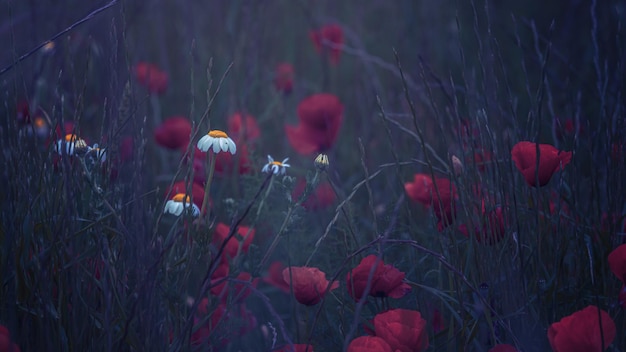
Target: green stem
x,y
207,187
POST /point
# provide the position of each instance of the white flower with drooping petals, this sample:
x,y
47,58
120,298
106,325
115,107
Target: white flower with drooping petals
x,y
218,141
180,202
275,167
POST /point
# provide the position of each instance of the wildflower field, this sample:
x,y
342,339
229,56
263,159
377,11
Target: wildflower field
x,y
313,175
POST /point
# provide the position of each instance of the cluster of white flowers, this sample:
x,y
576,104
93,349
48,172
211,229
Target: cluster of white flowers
x,y
73,145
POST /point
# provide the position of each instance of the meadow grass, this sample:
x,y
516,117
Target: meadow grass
x,y
89,261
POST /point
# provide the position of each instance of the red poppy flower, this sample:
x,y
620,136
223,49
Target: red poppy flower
x,y
308,284
197,192
322,198
386,280
580,332
482,158
202,334
243,238
422,190
551,160
328,41
320,117
173,133
243,127
404,330
296,347
503,348
275,277
283,79
152,77
369,344
617,262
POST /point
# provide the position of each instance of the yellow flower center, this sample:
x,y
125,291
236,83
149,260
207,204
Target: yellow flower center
x,y
278,163
180,197
217,134
70,137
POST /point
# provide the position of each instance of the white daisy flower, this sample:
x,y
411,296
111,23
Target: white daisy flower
x,y
71,144
99,154
218,141
178,203
275,167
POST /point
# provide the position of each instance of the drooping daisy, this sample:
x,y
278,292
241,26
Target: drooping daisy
x,y
98,153
71,144
178,203
219,141
275,167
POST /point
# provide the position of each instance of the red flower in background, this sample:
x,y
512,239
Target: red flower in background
x,y
320,117
369,344
5,341
202,333
503,348
238,291
197,192
243,127
275,277
404,330
296,347
551,160
386,280
283,79
322,198
617,262
152,77
437,321
308,284
225,163
580,332
328,41
422,190
173,133
243,237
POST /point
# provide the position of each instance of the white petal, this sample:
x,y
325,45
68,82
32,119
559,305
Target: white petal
x,y
177,208
265,168
224,144
195,211
269,159
202,143
232,147
285,160
216,146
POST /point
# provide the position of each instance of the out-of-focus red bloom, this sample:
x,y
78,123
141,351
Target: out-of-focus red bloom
x,y
283,79
126,149
203,333
275,277
328,41
173,133
243,238
369,344
308,284
296,347
238,291
423,191
320,118
22,112
5,341
225,163
386,280
152,77
404,330
580,332
322,198
503,348
551,160
197,192
621,297
617,262
566,127
243,127
482,158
